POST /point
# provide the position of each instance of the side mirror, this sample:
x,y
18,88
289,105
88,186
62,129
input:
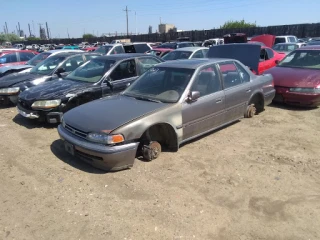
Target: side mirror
x,y
59,71
276,62
108,83
193,96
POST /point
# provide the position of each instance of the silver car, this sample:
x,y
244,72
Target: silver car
x,y
186,53
172,103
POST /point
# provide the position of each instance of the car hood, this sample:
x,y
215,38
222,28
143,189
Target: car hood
x,y
267,39
15,78
14,67
248,54
109,113
295,77
55,89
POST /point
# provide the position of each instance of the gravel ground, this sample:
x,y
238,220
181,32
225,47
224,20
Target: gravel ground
x,y
256,179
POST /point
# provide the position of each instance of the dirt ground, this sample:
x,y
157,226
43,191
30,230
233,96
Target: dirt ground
x,y
256,179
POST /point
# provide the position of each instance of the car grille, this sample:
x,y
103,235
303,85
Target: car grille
x,y
75,131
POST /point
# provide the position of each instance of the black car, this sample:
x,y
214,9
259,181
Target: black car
x,y
100,77
52,68
176,45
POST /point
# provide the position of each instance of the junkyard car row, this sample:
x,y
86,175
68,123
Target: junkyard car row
x,y
126,100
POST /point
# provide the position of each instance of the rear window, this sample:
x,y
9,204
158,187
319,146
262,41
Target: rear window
x,y
279,40
141,48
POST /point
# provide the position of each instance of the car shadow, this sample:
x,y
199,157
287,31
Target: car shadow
x,y
290,107
32,123
57,148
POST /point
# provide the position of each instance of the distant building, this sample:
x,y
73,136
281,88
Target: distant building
x,y
164,27
150,30
43,33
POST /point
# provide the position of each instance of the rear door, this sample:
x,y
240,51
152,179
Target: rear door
x,y
237,89
122,75
208,111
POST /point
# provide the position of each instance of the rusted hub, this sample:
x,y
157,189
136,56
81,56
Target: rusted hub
x,y
151,151
251,111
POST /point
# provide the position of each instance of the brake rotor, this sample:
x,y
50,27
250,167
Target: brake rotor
x,y
151,151
251,111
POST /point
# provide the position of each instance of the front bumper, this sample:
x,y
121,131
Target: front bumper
x,y
109,158
51,116
6,99
297,99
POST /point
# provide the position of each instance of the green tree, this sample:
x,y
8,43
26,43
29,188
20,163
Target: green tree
x,y
88,36
237,24
9,37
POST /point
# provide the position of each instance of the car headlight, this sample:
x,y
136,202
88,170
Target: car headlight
x,y
305,90
105,138
46,104
9,91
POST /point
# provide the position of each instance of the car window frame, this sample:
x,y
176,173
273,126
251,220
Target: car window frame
x,y
117,65
222,77
144,57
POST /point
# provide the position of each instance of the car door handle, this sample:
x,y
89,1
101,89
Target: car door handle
x,y
248,90
218,100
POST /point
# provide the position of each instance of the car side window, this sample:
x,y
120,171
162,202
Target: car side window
x,y
198,54
73,63
245,77
230,74
8,58
125,69
145,63
119,49
207,81
270,54
25,56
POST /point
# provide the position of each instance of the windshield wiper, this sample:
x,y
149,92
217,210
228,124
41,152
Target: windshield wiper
x,y
146,99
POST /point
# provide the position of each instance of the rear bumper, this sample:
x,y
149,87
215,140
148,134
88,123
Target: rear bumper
x,y
298,99
49,116
109,158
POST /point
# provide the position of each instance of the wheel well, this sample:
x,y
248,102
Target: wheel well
x,y
258,101
162,133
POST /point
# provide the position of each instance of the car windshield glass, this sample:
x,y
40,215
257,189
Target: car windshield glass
x,y
177,55
47,66
91,71
103,49
302,59
160,84
38,58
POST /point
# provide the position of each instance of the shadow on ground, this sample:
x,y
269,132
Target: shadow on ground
x,y
32,123
57,148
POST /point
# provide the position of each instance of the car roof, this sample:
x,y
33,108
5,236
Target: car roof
x,y
309,47
64,50
66,54
162,49
287,43
190,49
118,57
286,36
192,63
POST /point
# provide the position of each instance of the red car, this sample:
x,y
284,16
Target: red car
x,y
16,57
90,49
160,52
268,57
297,77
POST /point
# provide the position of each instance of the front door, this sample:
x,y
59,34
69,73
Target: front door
x,y
207,112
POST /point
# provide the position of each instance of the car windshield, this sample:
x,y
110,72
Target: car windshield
x,y
91,71
103,49
160,84
177,55
38,58
285,47
47,66
302,59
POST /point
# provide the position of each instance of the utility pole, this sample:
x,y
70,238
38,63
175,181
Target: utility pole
x,y
48,36
135,16
68,33
126,10
7,27
29,30
19,30
34,30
